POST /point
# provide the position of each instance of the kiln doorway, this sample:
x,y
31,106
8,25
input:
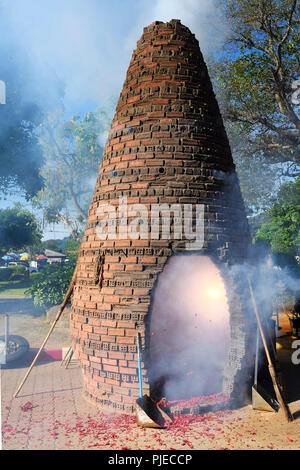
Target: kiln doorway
x,y
189,330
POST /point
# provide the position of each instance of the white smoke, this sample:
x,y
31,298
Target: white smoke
x,y
203,17
190,332
88,43
190,321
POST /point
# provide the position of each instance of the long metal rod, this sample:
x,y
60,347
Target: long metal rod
x,y
256,358
65,301
280,398
140,367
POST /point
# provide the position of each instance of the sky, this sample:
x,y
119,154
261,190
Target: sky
x,y
88,44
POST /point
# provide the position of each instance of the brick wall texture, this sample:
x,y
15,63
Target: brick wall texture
x,y
167,144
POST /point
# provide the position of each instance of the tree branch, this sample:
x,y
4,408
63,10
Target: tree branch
x,y
68,223
251,118
76,202
285,36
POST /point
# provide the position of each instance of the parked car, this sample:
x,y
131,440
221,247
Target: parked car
x,y
18,263
33,269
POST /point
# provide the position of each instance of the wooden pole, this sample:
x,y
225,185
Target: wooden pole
x,y
69,358
62,307
64,359
277,389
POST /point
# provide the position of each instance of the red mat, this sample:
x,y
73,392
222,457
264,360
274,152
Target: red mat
x,y
45,355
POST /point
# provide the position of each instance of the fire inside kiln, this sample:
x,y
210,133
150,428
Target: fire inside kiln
x,y
189,329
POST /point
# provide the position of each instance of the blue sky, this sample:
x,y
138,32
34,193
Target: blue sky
x,y
89,43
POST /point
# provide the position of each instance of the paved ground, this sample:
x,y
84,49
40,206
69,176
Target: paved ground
x,y
30,321
51,413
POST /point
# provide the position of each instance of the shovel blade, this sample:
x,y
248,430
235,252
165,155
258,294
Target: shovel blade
x,y
262,401
149,415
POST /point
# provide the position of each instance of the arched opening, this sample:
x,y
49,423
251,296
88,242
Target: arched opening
x,y
189,329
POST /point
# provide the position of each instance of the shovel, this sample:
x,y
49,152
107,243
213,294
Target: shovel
x,y
261,400
148,412
277,383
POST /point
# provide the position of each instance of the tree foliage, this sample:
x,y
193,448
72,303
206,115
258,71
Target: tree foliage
x,y
19,228
73,152
50,285
254,78
21,155
71,248
281,227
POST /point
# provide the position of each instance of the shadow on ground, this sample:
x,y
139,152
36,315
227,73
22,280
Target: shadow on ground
x,y
23,306
25,362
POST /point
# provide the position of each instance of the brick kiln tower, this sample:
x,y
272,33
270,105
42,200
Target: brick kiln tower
x,y
167,145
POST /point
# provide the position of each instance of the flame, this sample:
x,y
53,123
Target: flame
x,y
213,293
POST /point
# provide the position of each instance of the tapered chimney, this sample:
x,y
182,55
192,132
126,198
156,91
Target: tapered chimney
x,y
167,159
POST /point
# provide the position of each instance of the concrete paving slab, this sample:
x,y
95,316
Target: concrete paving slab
x,y
51,413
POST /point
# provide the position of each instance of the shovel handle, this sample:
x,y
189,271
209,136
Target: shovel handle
x,y
140,366
256,357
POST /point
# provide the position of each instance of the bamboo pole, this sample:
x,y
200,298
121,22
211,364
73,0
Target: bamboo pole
x,y
279,395
64,359
62,307
69,358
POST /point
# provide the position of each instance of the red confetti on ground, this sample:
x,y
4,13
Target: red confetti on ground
x,y
105,431
28,406
209,399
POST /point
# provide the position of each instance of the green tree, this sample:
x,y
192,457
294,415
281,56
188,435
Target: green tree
x,y
254,79
73,152
19,228
71,248
281,225
21,155
49,286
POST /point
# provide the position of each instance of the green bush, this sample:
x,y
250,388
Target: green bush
x,y
34,276
13,273
50,285
4,274
18,272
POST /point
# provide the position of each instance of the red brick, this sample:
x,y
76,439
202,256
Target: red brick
x,y
116,331
127,370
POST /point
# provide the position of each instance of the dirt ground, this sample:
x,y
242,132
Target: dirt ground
x,y
51,413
